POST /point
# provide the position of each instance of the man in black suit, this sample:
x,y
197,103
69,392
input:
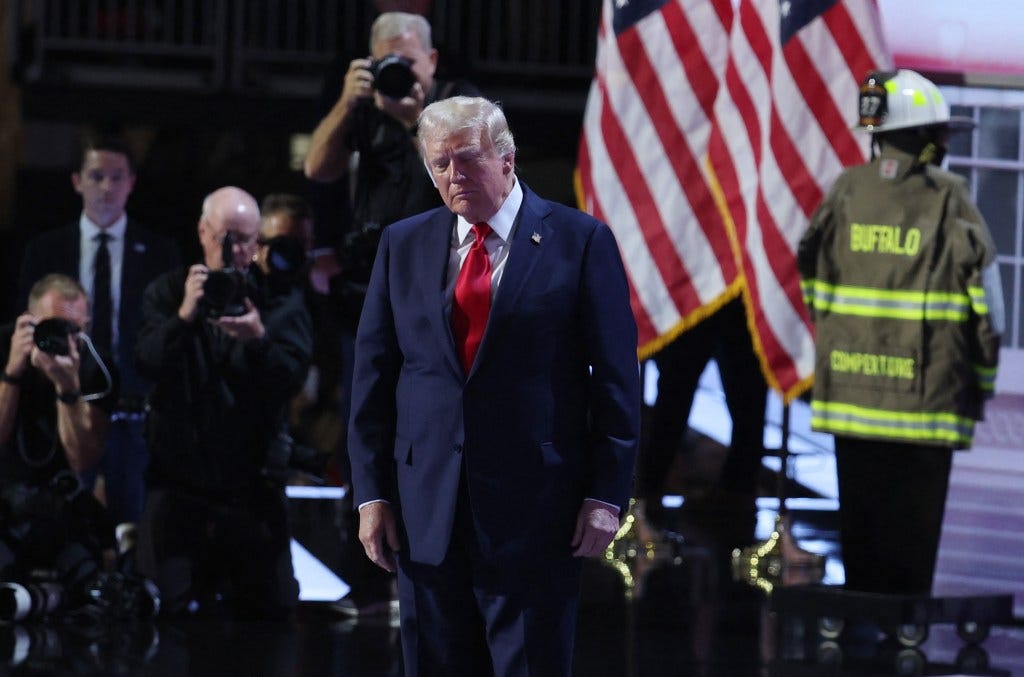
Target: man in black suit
x,y
114,274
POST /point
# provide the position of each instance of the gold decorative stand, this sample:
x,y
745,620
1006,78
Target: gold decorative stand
x,y
778,558
632,554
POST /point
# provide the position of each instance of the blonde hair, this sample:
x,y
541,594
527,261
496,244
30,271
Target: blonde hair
x,y
67,287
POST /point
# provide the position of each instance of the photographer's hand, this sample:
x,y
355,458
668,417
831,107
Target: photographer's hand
x,y
62,370
189,309
407,109
358,83
245,327
21,345
81,426
17,363
328,155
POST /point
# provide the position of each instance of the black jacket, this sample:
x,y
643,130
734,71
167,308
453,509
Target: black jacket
x,y
217,402
146,255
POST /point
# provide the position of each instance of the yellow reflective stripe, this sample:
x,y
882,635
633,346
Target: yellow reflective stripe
x,y
892,304
839,417
807,286
979,303
892,313
986,377
889,294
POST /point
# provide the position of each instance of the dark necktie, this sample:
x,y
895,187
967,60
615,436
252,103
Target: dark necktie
x,y
101,302
472,300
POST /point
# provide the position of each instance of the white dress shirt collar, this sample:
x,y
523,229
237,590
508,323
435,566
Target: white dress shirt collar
x,y
90,230
501,223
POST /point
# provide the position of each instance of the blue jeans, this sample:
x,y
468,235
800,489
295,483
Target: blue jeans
x,y
123,466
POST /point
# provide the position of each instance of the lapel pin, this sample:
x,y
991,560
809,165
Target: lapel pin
x,y
535,237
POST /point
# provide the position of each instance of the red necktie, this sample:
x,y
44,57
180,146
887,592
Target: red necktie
x,y
472,300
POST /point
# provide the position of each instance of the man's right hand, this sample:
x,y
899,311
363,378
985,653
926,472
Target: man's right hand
x,y
379,534
21,345
189,309
358,83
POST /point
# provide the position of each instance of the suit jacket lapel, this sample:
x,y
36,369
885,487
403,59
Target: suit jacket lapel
x,y
526,251
131,272
436,248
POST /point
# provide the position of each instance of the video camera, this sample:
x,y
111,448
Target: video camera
x,y
225,290
392,75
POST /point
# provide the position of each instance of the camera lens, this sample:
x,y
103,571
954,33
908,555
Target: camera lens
x,y
285,254
35,600
393,76
51,335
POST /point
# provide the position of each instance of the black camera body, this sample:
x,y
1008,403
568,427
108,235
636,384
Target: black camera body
x,y
392,75
287,260
103,597
224,291
51,335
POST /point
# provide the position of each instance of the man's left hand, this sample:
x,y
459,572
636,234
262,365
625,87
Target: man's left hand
x,y
596,526
245,327
62,370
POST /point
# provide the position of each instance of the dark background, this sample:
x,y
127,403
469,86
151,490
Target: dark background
x,y
221,92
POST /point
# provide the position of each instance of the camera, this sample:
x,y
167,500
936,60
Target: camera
x,y
20,602
224,290
392,75
51,335
286,258
122,596
103,597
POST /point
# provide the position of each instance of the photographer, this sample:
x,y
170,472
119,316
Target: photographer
x,y
368,137
50,432
226,359
284,243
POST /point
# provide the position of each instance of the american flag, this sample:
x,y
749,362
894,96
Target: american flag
x,y
783,77
645,134
781,136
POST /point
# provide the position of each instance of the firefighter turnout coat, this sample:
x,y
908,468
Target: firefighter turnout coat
x,y
892,268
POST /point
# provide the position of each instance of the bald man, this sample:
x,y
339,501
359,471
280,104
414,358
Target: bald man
x,y
214,533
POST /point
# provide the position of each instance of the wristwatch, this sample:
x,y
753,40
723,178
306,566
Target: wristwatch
x,y
70,397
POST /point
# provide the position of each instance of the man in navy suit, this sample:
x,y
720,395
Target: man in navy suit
x,y
135,257
494,430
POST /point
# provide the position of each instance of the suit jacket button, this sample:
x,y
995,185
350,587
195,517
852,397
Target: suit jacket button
x,y
457,448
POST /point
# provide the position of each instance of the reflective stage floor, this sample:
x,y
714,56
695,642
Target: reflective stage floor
x,y
686,615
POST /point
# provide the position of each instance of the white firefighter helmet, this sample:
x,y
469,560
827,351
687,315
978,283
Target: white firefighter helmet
x,y
903,100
